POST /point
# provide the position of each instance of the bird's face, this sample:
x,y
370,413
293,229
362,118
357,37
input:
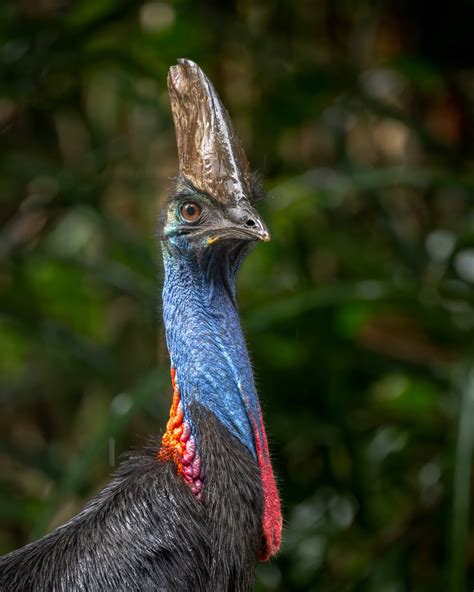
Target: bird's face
x,y
193,220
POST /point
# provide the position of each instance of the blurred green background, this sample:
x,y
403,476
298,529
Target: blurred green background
x,y
359,313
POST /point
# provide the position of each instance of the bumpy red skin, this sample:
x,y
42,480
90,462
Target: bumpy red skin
x,y
179,445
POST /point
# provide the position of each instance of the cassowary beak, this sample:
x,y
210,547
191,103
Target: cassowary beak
x,y
211,157
242,222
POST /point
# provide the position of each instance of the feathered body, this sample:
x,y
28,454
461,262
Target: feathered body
x,y
147,532
196,510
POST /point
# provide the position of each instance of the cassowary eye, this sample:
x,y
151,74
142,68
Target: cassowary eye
x,y
191,211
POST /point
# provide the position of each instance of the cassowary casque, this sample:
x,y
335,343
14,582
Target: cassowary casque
x,y
198,509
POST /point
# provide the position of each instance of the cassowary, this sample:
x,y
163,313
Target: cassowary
x,y
197,510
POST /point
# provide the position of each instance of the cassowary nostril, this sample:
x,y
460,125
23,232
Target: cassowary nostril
x,y
250,222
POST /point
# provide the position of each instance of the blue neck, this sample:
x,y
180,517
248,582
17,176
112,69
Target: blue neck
x,y
205,339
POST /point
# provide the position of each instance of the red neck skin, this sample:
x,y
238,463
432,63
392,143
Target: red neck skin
x,y
179,445
272,519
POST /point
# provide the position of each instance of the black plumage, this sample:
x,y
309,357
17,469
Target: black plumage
x,y
147,532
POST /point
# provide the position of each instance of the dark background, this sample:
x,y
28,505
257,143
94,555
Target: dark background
x,y
359,313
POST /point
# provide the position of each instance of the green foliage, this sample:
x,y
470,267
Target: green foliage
x,y
359,313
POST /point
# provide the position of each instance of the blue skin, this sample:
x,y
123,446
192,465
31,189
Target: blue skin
x,y
204,334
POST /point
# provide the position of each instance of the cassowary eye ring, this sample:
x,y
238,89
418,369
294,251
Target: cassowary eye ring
x,y
191,211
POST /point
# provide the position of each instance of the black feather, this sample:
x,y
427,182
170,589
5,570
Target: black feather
x,y
146,531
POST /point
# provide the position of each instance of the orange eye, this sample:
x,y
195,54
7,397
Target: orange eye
x,y
191,211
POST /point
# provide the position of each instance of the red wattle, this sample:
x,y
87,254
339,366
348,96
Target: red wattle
x,y
272,520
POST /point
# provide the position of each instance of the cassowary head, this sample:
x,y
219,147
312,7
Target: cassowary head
x,y
213,198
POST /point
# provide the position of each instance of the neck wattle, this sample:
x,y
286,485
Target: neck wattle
x,y
211,366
